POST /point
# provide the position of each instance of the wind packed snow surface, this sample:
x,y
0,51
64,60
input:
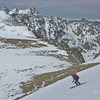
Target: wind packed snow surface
x,y
60,90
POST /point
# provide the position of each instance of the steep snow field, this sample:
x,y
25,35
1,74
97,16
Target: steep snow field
x,y
60,90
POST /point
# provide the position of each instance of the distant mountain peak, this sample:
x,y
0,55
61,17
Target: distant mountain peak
x,y
32,11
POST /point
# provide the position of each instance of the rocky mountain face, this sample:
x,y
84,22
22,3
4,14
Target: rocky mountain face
x,y
80,39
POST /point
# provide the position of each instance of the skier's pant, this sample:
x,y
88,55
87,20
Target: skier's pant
x,y
77,82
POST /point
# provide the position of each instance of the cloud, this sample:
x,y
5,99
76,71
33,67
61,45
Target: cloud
x,y
57,7
18,3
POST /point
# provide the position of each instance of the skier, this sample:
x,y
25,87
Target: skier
x,y
75,79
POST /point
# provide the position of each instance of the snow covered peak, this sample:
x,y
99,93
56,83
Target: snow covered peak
x,y
14,11
3,15
10,28
32,11
29,11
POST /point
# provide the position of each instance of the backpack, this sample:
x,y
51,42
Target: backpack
x,y
76,76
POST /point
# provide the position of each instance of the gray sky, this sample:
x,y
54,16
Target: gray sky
x,y
59,8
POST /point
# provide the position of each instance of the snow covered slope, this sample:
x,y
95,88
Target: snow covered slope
x,y
60,90
21,59
33,45
11,29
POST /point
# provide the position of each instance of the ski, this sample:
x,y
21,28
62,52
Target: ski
x,y
77,85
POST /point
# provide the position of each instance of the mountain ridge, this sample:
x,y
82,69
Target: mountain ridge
x,y
77,38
